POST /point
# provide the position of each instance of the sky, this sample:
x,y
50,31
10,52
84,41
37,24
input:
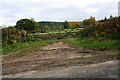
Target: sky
x,y
55,10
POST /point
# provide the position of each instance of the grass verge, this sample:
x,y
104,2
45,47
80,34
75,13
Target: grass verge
x,y
75,42
8,49
93,43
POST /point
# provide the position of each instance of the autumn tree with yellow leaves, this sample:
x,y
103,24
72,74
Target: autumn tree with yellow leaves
x,y
74,24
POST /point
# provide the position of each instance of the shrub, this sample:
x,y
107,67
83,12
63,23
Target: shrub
x,y
109,28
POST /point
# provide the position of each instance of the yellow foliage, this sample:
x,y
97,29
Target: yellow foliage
x,y
74,24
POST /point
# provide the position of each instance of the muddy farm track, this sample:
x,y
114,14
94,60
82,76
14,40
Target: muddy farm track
x,y
59,60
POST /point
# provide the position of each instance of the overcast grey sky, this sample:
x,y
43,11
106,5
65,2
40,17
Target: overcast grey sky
x,y
55,10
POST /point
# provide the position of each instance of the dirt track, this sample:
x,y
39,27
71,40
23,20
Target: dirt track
x,y
61,60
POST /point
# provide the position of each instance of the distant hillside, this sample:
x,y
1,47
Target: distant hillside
x,y
50,24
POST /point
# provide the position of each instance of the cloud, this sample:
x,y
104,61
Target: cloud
x,y
55,10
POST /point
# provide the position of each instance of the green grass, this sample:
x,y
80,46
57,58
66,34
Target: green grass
x,y
93,44
75,42
59,31
24,46
13,48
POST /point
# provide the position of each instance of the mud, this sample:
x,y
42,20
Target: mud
x,y
56,57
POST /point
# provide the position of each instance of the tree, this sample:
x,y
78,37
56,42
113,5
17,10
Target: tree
x,y
111,16
89,22
65,24
74,24
27,25
105,19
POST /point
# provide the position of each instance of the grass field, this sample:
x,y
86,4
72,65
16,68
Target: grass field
x,y
75,42
93,44
60,31
24,46
11,48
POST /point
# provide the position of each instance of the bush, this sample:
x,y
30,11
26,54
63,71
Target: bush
x,y
88,31
11,36
108,29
